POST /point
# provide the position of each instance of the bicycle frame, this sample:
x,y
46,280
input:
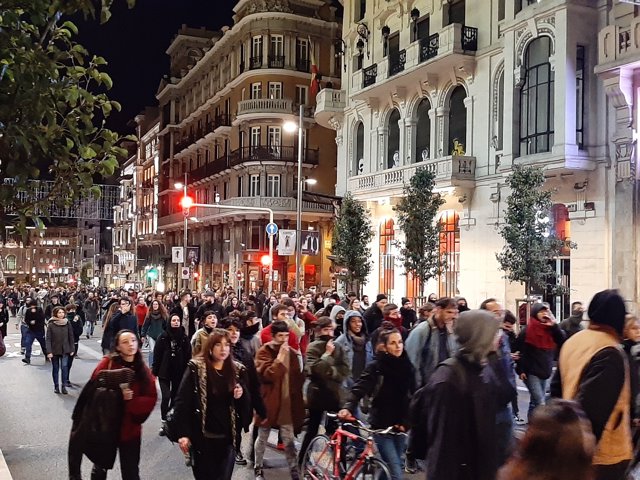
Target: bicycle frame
x,y
336,442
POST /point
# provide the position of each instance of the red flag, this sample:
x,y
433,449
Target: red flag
x,y
315,83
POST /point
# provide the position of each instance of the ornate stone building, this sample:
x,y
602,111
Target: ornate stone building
x,y
222,110
469,88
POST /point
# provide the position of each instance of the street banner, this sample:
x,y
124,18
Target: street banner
x,y
286,242
193,255
310,242
177,255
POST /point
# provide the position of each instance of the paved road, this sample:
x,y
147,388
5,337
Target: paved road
x,y
36,422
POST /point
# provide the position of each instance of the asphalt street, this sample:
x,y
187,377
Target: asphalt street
x,y
35,422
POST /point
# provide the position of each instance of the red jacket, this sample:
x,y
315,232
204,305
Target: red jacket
x,y
141,313
138,409
266,337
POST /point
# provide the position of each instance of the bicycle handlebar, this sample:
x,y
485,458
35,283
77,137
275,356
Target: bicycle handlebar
x,y
354,422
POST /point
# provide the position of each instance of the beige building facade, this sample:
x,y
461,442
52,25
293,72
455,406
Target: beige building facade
x,y
470,88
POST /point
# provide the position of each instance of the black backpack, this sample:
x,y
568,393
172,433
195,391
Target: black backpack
x,y
419,410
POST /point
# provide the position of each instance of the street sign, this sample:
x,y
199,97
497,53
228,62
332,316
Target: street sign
x,y
177,254
186,274
272,229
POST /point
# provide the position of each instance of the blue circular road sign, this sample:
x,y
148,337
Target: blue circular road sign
x,y
272,229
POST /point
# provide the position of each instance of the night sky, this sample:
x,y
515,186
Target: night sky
x,y
134,43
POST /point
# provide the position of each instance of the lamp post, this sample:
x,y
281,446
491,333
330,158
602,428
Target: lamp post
x,y
290,127
183,186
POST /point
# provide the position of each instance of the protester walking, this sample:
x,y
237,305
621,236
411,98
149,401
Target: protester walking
x,y
154,325
35,320
60,347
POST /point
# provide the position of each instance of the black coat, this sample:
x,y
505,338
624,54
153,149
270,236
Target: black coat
x,y
214,307
389,382
461,422
37,318
177,310
536,361
171,355
373,317
246,359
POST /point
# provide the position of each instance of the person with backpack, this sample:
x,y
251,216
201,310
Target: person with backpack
x,y
459,409
389,381
428,345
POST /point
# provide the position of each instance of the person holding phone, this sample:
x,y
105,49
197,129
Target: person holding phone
x,y
537,343
212,405
139,397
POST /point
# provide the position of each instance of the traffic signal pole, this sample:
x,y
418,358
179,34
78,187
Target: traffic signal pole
x,y
253,209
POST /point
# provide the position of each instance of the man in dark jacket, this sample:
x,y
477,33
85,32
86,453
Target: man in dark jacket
x,y
593,370
572,324
187,313
408,313
35,320
209,304
373,315
326,368
461,409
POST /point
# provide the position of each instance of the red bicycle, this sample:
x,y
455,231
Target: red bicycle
x,y
323,459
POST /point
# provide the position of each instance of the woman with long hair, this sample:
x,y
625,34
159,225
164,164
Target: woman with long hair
x,y
139,399
233,305
558,444
212,405
154,324
59,340
106,330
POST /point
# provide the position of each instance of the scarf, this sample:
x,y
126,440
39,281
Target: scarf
x,y
397,322
61,323
539,335
358,341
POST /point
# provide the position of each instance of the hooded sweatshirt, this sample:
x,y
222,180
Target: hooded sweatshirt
x,y
357,349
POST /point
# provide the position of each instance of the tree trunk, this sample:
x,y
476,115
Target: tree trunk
x,y
528,299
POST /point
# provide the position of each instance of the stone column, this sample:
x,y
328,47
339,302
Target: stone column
x,y
442,132
468,148
409,154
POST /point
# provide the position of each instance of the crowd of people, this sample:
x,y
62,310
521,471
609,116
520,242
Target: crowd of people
x,y
441,379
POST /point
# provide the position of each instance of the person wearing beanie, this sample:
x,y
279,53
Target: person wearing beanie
x,y
408,314
373,315
171,353
461,407
594,371
537,343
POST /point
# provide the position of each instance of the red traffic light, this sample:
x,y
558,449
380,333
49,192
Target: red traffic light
x,y
265,260
196,275
186,202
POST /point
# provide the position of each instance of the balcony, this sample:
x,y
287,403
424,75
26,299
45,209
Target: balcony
x,y
330,105
397,61
272,153
618,46
451,171
210,169
276,61
277,204
303,65
261,106
255,62
452,48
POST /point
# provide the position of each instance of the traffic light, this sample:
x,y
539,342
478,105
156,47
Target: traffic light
x,y
196,276
265,260
186,202
152,274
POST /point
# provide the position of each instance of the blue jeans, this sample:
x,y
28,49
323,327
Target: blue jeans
x,y
88,327
28,343
60,362
391,448
23,336
537,391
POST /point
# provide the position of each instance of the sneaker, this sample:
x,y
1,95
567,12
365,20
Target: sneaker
x,y
240,460
410,466
56,390
27,361
161,432
22,351
258,473
519,420
88,336
64,390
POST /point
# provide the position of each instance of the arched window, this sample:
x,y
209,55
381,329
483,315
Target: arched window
x,y
500,113
387,258
457,122
450,252
423,132
536,98
358,161
393,144
11,263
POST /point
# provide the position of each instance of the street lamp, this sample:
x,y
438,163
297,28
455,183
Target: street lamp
x,y
291,127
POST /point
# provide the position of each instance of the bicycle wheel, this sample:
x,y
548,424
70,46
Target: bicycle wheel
x,y
318,459
373,469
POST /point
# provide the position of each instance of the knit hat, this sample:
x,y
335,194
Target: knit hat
x,y
381,296
404,300
607,308
209,293
476,331
537,307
